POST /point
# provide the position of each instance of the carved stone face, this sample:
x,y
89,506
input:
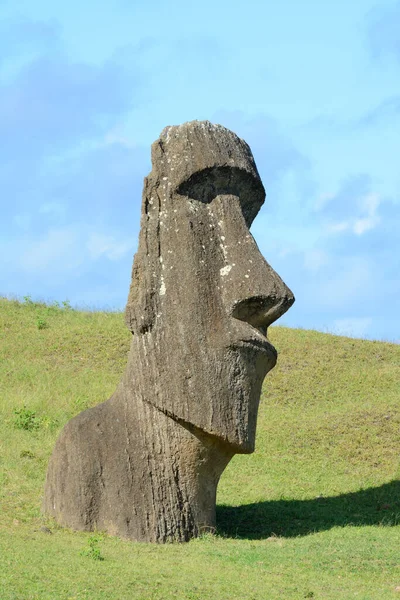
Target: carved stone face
x,y
202,295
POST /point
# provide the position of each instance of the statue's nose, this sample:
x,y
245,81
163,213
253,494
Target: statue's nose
x,y
263,298
252,290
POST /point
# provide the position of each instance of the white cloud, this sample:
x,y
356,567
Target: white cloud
x,y
362,225
322,200
338,227
370,205
53,208
352,326
366,220
115,136
315,259
105,245
23,221
62,250
57,248
350,280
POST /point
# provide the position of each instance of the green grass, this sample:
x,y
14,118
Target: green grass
x,y
313,513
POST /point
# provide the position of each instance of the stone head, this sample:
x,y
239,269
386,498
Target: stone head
x,y
202,296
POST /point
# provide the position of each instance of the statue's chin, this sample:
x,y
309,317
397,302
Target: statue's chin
x,y
250,363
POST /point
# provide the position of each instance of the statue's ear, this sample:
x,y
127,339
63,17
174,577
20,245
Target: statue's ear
x,y
140,309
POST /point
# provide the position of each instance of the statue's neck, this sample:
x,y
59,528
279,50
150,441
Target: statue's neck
x,y
178,469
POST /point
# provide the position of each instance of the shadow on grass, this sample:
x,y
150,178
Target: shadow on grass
x,y
290,518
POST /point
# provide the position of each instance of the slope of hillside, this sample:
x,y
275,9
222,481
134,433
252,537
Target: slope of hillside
x,y
314,512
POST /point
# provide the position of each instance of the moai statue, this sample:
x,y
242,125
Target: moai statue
x,y
145,464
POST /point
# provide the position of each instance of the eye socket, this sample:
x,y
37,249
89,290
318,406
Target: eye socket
x,y
208,183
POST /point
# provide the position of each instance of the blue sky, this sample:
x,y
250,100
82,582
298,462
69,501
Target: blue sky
x,y
313,87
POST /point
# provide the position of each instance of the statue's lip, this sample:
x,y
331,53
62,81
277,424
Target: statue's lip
x,y
259,343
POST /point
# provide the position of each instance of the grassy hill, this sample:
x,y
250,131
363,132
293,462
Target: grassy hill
x,y
313,513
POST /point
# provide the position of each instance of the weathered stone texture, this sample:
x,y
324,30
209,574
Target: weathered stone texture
x,y
145,464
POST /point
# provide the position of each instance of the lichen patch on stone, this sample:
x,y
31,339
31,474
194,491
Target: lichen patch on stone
x,y
162,287
225,270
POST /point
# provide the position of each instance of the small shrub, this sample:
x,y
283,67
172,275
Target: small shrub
x,y
26,419
93,550
66,304
207,533
41,323
49,423
27,454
